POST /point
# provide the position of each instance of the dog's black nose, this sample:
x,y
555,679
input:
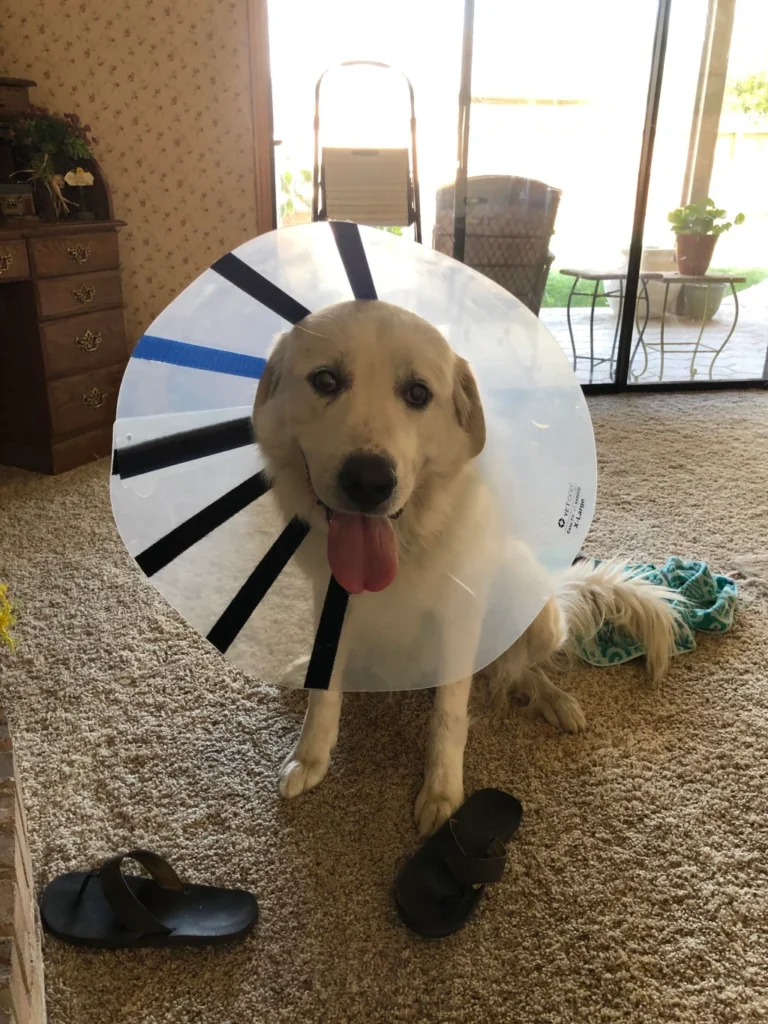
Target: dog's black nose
x,y
367,480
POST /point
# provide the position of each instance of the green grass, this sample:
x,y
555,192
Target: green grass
x,y
754,275
559,287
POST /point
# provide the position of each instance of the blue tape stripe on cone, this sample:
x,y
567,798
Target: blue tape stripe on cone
x,y
198,357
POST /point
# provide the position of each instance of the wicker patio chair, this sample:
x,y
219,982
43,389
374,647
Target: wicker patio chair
x,y
510,222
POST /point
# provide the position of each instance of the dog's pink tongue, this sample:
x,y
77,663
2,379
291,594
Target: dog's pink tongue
x,y
362,551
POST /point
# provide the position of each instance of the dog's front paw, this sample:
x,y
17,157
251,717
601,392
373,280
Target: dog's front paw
x,y
435,804
300,774
561,710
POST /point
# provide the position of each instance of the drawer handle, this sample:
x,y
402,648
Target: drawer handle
x,y
95,398
79,253
6,259
89,341
84,294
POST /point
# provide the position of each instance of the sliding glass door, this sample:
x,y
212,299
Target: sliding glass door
x,y
581,128
709,307
651,135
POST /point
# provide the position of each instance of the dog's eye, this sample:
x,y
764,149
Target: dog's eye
x,y
325,382
417,395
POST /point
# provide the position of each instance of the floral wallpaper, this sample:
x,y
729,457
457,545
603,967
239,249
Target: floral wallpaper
x,y
166,90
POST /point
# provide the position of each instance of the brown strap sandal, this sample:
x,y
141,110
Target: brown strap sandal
x,y
107,909
442,883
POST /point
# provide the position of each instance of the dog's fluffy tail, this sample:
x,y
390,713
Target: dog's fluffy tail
x,y
592,594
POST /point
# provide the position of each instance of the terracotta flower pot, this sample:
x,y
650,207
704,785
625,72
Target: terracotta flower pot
x,y
694,253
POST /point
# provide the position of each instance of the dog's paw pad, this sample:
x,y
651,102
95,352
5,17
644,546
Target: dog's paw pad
x,y
562,710
434,807
298,776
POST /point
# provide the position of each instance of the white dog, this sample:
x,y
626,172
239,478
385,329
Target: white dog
x,y
369,424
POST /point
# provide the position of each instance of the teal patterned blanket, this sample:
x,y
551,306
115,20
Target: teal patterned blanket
x,y
707,605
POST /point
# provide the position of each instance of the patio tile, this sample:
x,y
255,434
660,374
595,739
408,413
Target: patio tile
x,y
743,358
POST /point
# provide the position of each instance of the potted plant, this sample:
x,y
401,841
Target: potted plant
x,y
49,145
696,231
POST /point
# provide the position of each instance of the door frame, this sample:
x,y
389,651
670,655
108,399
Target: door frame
x,y
261,113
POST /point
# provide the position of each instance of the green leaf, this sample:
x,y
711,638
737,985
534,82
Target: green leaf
x,y
699,219
752,94
739,218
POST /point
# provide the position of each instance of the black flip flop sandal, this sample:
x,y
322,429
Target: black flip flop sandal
x,y
442,883
106,909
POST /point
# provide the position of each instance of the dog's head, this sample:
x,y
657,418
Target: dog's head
x,y
370,402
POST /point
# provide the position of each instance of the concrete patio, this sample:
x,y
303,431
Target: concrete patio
x,y
743,358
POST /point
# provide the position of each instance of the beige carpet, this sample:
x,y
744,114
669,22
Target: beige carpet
x,y
636,890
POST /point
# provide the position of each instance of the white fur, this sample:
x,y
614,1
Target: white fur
x,y
444,500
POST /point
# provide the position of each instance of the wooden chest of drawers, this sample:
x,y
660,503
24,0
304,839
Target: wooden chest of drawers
x,y
65,296
63,346
14,265
57,257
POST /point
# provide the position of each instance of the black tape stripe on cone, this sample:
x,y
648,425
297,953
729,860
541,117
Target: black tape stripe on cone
x,y
186,534
352,252
173,449
250,281
245,601
326,644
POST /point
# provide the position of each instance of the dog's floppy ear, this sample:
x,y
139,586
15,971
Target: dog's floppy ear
x,y
466,402
271,376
